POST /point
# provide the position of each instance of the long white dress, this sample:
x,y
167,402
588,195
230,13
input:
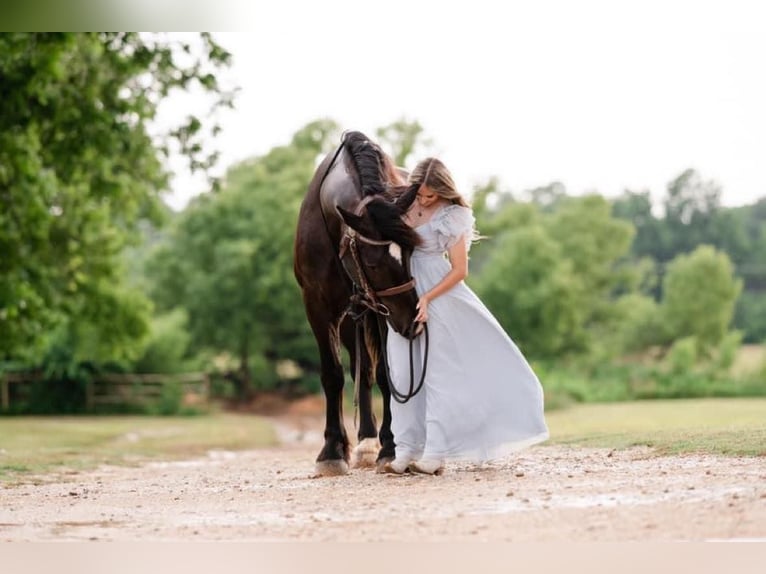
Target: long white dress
x,y
480,399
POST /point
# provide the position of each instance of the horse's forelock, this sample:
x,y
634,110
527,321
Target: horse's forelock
x,y
387,219
376,173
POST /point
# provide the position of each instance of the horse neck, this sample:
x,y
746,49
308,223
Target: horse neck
x,y
339,189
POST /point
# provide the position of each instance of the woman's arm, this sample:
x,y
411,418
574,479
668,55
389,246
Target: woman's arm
x,y
458,256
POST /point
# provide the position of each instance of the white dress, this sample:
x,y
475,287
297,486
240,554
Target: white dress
x,y
480,399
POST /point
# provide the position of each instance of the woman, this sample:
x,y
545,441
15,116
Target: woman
x,y
480,398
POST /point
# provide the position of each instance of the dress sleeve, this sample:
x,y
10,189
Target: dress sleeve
x,y
451,223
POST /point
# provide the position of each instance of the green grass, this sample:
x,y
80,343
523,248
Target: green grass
x,y
717,426
32,446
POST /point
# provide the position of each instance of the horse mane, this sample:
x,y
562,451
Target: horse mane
x,y
369,161
375,169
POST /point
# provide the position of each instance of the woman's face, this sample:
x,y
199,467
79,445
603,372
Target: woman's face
x,y
426,196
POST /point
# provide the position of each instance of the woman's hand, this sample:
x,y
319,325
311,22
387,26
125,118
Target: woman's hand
x,y
422,308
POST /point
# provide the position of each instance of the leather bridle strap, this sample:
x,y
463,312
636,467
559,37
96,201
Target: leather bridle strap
x,y
396,290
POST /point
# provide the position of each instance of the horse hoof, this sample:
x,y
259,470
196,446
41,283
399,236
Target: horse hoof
x,y
331,468
365,453
381,466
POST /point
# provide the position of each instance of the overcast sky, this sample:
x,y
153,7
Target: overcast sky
x,y
598,95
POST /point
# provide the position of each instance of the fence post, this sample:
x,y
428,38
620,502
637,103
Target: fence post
x,y
6,396
89,395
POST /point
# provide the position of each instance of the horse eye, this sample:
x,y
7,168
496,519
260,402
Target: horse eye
x,y
373,257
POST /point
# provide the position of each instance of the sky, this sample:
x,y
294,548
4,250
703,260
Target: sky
x,y
600,96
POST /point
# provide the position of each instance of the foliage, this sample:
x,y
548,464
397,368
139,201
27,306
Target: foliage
x,y
533,292
640,325
401,138
694,216
699,293
78,169
750,316
167,346
551,273
228,261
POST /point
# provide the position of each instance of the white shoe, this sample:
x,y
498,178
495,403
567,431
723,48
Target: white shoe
x,y
427,466
399,465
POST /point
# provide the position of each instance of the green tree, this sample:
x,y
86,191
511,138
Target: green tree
x,y
228,261
652,238
532,290
595,243
401,138
79,168
699,294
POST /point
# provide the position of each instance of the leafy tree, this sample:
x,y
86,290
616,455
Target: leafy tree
x,y
79,168
497,213
750,316
228,261
652,238
594,242
548,197
402,138
699,294
640,324
690,198
167,346
532,290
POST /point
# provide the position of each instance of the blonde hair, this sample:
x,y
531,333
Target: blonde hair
x,y
433,173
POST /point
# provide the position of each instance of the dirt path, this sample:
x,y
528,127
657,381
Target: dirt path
x,y
547,493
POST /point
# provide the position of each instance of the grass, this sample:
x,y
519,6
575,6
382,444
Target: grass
x,y
31,446
716,426
749,359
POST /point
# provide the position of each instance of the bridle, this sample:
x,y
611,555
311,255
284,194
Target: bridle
x,y
365,298
369,297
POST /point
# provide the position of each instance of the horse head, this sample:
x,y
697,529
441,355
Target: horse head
x,y
375,251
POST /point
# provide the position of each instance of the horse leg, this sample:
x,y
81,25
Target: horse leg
x,y
365,452
334,456
386,436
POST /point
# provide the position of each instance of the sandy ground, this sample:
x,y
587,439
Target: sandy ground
x,y
546,493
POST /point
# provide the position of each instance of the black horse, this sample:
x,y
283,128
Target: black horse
x,y
351,261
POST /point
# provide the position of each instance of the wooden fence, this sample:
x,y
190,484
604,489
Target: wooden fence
x,y
116,389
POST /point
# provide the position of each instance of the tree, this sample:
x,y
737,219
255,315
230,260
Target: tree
x,y
228,262
691,209
79,169
401,138
652,238
594,243
531,289
699,294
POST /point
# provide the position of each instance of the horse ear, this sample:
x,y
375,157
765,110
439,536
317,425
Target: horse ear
x,y
407,197
351,219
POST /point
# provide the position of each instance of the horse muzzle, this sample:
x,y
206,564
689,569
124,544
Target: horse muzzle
x,y
415,329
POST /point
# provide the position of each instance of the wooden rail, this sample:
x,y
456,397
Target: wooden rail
x,y
8,379
116,389
144,389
